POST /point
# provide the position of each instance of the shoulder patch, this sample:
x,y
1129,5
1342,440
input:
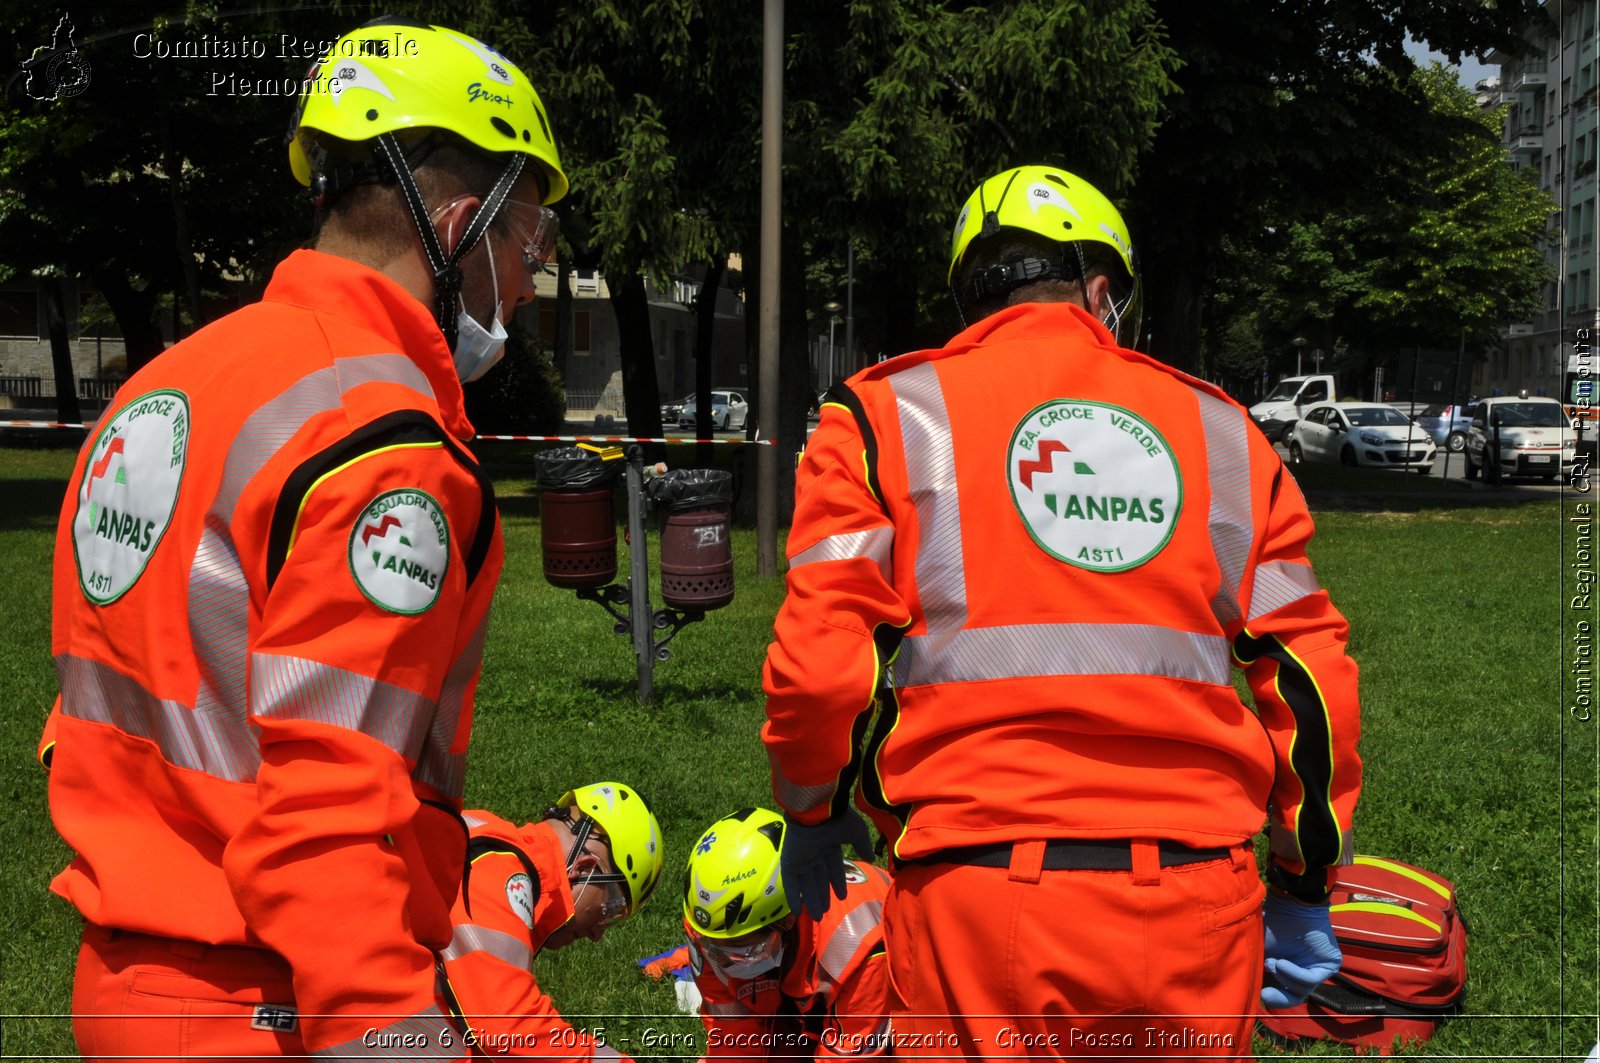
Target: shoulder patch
x,y
854,874
400,551
1096,485
519,891
128,492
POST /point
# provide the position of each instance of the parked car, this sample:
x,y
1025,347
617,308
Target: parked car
x,y
1447,424
672,409
728,410
1514,436
1361,433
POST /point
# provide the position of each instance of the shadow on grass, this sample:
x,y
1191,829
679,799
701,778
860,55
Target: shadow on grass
x,y
31,505
1335,488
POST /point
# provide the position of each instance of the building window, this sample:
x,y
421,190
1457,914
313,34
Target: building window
x,y
580,329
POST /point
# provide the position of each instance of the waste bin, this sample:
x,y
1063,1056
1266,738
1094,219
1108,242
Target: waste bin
x,y
577,522
696,549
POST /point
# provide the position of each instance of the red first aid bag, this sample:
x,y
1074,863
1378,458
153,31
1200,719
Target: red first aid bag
x,y
1405,960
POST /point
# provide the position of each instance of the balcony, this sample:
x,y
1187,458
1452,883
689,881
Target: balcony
x,y
1527,140
1530,75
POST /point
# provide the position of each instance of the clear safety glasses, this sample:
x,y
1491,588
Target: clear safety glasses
x,y
533,227
614,909
746,951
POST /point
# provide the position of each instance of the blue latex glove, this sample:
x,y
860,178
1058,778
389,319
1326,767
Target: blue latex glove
x,y
813,858
1301,950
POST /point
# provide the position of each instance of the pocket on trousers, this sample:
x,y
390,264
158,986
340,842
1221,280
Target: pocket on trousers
x,y
1246,907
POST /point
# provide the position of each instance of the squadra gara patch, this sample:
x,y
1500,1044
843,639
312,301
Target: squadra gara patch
x,y
400,550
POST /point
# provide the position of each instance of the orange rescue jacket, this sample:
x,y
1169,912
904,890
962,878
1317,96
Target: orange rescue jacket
x,y
514,895
828,997
272,578
1035,557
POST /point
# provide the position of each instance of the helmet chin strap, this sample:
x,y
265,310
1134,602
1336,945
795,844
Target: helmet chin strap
x,y
447,270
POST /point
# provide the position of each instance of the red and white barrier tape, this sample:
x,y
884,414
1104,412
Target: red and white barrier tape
x,y
632,439
497,438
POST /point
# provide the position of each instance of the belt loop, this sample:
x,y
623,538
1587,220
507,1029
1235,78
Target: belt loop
x,y
1242,855
1146,862
1027,860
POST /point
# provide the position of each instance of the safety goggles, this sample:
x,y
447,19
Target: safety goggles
x,y
533,227
614,909
747,950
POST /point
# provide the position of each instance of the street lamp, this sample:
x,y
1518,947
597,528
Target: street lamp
x,y
1299,346
1316,359
832,307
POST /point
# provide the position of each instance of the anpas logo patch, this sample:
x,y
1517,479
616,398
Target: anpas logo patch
x,y
1096,485
519,891
400,551
129,488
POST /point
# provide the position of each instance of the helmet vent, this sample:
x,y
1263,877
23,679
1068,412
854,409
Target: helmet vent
x,y
503,126
377,48
544,126
1056,178
773,832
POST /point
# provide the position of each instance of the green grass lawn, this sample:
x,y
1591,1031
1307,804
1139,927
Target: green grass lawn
x,y
1461,622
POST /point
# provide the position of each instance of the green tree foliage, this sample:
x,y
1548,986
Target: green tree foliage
x,y
1427,248
1283,107
158,178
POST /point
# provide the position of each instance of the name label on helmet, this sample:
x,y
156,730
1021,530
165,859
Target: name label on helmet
x,y
1096,485
728,880
128,492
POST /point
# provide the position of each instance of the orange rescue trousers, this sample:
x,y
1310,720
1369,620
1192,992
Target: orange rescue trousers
x,y
157,998
1143,964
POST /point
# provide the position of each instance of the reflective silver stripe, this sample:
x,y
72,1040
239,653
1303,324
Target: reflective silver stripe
x,y
1230,520
847,938
293,688
874,544
1026,651
797,798
419,1036
1279,583
98,693
472,821
218,597
729,1010
437,766
467,938
931,475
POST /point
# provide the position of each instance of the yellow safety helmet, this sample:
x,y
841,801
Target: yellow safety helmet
x,y
632,836
392,75
733,883
1060,207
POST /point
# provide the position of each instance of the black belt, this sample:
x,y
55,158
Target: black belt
x,y
1061,854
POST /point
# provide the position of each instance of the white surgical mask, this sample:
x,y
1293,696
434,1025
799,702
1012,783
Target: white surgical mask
x,y
477,348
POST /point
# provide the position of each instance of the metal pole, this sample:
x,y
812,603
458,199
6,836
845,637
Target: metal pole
x,y
771,202
640,616
832,321
849,308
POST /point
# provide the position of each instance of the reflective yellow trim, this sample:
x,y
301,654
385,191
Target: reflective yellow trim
x,y
294,533
1382,908
1401,869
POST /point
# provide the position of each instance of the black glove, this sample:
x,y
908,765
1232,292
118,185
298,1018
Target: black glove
x,y
813,858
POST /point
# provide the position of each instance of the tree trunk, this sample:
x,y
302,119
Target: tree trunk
x,y
640,395
794,369
60,351
135,314
705,313
561,351
182,247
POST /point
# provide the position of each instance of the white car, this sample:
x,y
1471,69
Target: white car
x,y
728,410
1514,436
1361,433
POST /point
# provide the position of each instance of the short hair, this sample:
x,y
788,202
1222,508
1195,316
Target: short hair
x,y
1010,245
443,165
